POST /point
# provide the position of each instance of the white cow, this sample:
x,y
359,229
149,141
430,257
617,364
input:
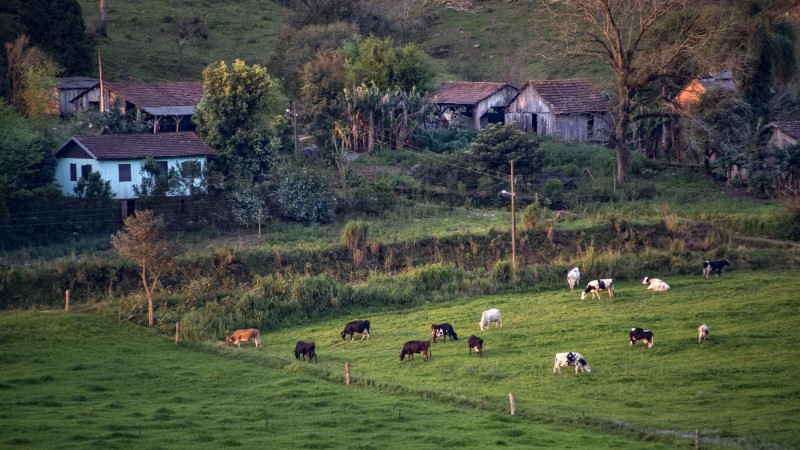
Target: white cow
x,y
702,333
655,284
490,315
570,359
573,277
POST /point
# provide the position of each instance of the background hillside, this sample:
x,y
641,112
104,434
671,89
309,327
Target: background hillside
x,y
490,41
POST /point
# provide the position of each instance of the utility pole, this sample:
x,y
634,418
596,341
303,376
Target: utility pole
x,y
102,91
513,223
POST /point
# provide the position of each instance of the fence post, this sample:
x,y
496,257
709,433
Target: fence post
x,y
177,332
696,438
512,403
347,373
66,305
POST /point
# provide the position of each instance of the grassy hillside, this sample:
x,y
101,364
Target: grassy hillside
x,y
78,381
83,381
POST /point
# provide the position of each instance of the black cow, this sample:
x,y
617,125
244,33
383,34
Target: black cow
x,y
411,347
305,348
443,330
714,266
356,326
476,343
640,334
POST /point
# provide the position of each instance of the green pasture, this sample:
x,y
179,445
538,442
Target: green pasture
x,y
81,381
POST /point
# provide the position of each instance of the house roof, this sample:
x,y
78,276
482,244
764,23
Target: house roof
x,y
569,96
138,146
790,127
78,83
722,80
159,94
466,92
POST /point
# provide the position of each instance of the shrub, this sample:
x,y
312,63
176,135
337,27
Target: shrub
x,y
304,194
354,234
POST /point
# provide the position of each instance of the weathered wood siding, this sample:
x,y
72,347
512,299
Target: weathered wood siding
x,y
498,100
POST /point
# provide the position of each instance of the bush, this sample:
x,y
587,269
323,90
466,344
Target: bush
x,y
304,194
354,234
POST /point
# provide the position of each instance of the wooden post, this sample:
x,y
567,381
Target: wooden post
x,y
177,332
102,90
513,223
347,373
696,438
512,403
66,304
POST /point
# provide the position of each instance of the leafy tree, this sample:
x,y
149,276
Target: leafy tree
x,y
143,239
96,200
32,75
185,30
232,116
304,194
156,184
496,145
379,62
627,36
321,90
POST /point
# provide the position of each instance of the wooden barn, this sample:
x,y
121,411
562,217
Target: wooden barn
x,y
699,86
568,109
473,104
71,89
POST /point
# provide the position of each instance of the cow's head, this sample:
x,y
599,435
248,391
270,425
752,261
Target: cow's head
x,y
584,365
646,280
229,339
344,333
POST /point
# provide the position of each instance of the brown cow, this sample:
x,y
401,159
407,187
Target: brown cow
x,y
246,335
411,347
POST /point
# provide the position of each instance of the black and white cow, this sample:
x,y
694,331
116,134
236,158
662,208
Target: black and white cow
x,y
305,348
356,326
595,287
570,359
640,334
476,343
710,267
443,330
411,347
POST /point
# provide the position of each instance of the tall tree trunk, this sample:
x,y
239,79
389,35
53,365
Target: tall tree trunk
x,y
102,23
621,128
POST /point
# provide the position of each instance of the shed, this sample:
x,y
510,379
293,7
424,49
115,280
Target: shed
x,y
699,86
568,109
71,87
480,102
119,159
780,134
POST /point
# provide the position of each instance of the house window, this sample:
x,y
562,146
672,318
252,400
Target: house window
x,y
190,169
124,172
86,169
163,166
73,172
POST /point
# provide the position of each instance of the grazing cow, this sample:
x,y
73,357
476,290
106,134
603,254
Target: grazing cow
x,y
639,334
702,333
443,330
411,347
570,359
714,266
488,316
476,343
305,348
655,284
573,277
245,335
596,286
356,326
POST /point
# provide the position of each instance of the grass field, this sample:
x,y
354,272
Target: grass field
x,y
81,381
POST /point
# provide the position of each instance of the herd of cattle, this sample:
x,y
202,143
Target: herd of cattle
x,y
445,330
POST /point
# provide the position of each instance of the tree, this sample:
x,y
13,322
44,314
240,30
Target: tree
x,y
186,29
156,184
626,35
379,62
143,239
248,204
304,194
232,116
497,144
97,200
321,89
32,75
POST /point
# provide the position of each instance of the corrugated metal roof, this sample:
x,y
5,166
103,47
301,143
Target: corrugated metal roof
x,y
159,94
78,83
569,96
169,110
466,92
138,146
722,80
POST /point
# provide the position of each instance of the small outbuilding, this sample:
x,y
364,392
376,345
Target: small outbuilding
x,y
699,86
71,88
568,109
473,104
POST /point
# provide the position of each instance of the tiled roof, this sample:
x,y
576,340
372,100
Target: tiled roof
x,y
466,92
570,96
137,146
159,94
792,127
